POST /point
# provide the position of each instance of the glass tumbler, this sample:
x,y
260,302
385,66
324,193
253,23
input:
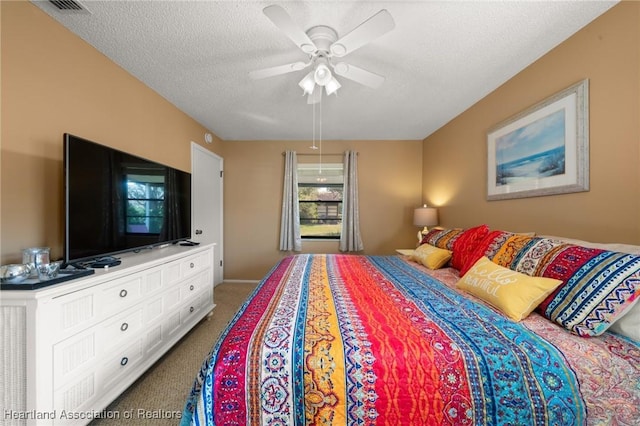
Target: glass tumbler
x,y
42,264
29,258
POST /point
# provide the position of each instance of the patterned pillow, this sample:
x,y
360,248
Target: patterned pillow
x,y
559,260
513,293
599,287
430,256
528,255
466,243
488,247
442,238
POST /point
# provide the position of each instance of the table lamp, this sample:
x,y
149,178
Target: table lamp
x,y
425,216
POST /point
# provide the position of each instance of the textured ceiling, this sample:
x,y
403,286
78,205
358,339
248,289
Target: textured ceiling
x,y
441,58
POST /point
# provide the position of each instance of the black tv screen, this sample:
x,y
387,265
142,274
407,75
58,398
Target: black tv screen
x,y
117,202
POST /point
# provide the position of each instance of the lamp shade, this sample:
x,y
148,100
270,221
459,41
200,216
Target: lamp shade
x,y
307,83
332,86
425,216
322,75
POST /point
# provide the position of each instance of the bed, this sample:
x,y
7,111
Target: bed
x,y
353,339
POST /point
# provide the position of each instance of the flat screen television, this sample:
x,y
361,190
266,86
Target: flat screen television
x,y
117,202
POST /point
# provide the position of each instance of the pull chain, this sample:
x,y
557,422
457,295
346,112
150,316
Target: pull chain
x,y
313,126
320,134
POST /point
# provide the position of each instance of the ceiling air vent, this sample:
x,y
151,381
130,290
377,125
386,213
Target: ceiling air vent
x,y
66,6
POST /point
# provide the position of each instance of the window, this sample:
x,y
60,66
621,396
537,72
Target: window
x,y
145,204
320,200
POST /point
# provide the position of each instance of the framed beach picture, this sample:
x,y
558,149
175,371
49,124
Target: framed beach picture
x,y
544,150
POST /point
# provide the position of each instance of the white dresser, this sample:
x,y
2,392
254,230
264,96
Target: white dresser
x,y
70,349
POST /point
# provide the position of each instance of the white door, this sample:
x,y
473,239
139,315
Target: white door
x,y
207,216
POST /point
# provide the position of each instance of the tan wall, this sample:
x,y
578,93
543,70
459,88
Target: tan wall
x,y
52,82
389,175
607,53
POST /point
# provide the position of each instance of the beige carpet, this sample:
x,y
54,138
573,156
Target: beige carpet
x,y
163,389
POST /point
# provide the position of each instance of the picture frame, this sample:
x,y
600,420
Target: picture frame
x,y
543,150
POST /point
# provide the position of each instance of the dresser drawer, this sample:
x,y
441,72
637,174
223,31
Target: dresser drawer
x,y
171,325
194,308
155,281
194,285
78,310
75,353
171,298
119,294
72,313
72,356
120,364
77,396
194,264
153,339
114,331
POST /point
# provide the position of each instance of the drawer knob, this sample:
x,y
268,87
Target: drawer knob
x,y
192,265
191,309
123,293
191,287
124,361
124,326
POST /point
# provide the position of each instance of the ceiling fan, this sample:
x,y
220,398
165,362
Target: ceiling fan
x,y
324,48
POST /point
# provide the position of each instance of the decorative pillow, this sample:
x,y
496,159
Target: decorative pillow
x,y
466,243
560,261
513,293
511,251
488,246
430,256
600,286
623,248
442,238
629,324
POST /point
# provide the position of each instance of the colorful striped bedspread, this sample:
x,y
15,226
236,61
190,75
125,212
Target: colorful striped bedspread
x,y
378,340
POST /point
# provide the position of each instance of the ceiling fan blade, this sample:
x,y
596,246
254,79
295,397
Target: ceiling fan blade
x,y
359,75
282,20
377,25
280,69
314,97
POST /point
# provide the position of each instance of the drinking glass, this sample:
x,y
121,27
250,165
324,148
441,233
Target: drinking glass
x,y
42,264
29,258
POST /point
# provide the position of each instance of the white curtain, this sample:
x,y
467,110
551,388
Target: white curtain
x,y
290,223
350,239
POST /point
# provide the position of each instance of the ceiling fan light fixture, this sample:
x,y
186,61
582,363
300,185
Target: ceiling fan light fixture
x,y
322,45
332,86
308,83
322,74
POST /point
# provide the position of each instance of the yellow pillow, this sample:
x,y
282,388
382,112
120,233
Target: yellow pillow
x,y
513,293
430,256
